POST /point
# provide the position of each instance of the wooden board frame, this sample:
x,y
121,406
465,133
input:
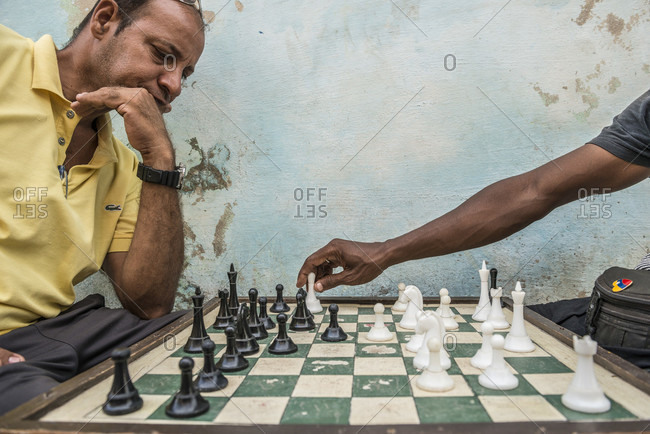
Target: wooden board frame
x,y
25,417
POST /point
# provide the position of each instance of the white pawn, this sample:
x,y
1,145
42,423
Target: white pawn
x,y
584,393
441,293
418,338
402,301
379,332
415,305
313,304
434,378
447,315
435,328
496,316
517,340
483,356
497,376
483,308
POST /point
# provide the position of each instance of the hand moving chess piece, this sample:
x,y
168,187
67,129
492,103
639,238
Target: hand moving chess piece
x,y
334,332
279,305
282,344
402,302
195,341
233,300
483,308
210,378
517,340
434,378
379,332
584,393
313,304
123,397
415,305
264,316
497,376
188,402
232,360
254,323
224,318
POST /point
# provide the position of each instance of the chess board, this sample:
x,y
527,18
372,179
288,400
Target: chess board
x,y
351,385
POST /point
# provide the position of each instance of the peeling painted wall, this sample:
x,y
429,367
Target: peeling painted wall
x,y
307,121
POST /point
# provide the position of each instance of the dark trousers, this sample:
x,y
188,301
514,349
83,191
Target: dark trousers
x,y
59,348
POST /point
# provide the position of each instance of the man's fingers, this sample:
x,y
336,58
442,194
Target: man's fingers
x,y
331,281
8,357
103,100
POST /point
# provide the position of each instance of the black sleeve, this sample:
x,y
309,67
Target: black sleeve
x,y
628,137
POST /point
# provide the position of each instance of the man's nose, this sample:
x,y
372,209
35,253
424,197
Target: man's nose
x,y
171,80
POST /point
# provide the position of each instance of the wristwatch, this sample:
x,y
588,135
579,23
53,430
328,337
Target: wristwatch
x,y
170,178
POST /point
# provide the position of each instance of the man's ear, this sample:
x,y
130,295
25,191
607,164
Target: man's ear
x,y
105,19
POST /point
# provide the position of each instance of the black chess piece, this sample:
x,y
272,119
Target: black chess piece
x,y
233,302
188,402
195,341
264,316
254,324
282,344
231,360
302,292
334,332
279,305
493,281
244,339
210,378
301,321
224,318
123,397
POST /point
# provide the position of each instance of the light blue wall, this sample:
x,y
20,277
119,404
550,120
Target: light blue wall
x,y
354,97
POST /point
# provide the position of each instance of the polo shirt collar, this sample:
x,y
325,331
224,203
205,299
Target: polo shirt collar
x,y
46,67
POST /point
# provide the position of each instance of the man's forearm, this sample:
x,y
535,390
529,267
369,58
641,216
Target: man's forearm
x,y
492,214
153,264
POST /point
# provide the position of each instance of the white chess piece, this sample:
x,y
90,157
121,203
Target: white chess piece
x,y
415,305
402,302
447,315
497,376
313,304
417,339
496,316
435,328
434,378
379,332
441,293
483,308
483,356
584,393
517,340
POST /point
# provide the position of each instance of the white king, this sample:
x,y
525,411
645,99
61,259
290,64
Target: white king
x,y
517,340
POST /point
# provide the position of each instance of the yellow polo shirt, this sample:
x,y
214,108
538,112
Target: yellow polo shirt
x,y
49,242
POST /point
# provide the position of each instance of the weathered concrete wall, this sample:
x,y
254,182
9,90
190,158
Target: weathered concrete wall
x,y
389,114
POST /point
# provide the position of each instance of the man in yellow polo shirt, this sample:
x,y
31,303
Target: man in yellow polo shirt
x,y
72,197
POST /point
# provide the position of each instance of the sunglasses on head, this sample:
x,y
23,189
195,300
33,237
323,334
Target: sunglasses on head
x,y
195,3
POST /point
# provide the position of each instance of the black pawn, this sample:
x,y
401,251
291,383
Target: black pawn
x,y
231,360
264,316
210,378
246,343
279,305
233,302
334,332
224,319
302,292
282,344
188,402
123,397
195,342
254,323
493,278
301,321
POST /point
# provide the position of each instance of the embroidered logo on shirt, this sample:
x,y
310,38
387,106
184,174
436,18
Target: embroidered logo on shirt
x,y
112,207
621,284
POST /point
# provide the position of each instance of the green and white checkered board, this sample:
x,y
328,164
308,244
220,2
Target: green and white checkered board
x,y
358,382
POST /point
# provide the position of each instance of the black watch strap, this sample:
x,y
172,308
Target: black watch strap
x,y
170,178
